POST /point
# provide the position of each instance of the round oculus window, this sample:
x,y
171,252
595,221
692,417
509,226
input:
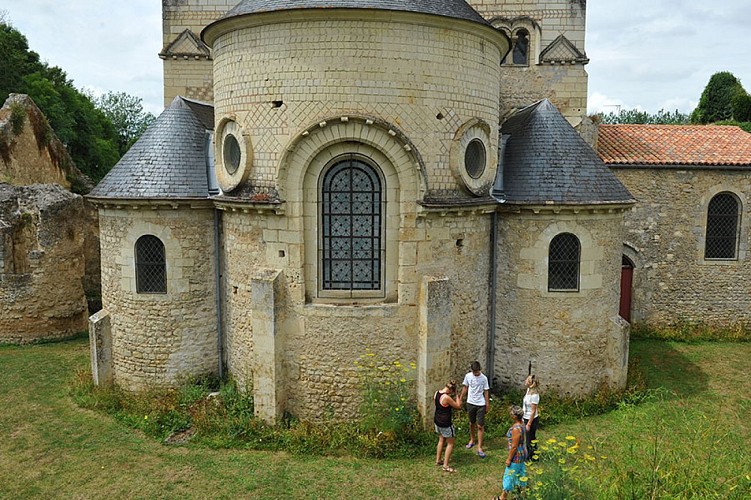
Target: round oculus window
x,y
231,153
474,158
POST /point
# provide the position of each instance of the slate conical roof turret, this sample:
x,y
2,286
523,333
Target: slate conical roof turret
x,y
168,161
458,9
547,162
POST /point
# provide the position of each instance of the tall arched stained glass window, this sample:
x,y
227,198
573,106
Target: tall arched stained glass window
x,y
722,227
151,273
563,263
351,244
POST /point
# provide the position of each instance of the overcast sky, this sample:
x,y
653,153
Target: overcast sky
x,y
650,54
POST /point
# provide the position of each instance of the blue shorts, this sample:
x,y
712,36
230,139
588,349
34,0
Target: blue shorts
x,y
513,475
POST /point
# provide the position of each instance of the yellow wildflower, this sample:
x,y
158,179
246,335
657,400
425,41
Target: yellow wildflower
x,y
570,438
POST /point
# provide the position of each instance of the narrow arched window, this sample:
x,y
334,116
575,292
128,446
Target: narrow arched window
x,y
722,227
151,273
351,244
521,47
563,263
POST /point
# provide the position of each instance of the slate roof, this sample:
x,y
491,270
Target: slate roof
x,y
547,162
449,8
685,145
168,161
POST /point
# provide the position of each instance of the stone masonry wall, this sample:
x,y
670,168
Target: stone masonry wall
x,y
564,84
276,80
574,341
158,338
186,76
41,263
323,341
665,239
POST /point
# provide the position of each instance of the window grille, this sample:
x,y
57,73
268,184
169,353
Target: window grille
x,y
563,263
474,158
352,227
151,274
722,227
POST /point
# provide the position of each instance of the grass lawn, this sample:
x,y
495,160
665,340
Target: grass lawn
x,y
690,439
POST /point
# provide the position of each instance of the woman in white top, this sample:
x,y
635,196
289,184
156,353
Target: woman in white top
x,y
531,413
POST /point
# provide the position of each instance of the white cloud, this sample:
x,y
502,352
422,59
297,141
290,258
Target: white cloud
x,y
101,45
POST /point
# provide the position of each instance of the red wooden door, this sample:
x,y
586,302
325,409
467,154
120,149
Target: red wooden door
x,y
627,277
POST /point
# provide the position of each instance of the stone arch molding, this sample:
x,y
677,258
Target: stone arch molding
x,y
700,229
590,254
404,178
474,129
356,134
172,253
511,27
229,179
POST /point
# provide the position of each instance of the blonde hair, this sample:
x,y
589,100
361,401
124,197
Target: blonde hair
x,y
534,384
516,411
451,385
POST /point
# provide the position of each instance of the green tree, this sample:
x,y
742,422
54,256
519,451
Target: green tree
x,y
635,116
716,102
742,107
88,134
127,116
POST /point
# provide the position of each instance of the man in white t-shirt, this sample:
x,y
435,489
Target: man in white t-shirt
x,y
476,388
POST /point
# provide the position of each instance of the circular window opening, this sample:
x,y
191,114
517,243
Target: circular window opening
x,y
231,153
474,158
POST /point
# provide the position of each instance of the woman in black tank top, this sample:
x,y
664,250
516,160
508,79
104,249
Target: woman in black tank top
x,y
446,400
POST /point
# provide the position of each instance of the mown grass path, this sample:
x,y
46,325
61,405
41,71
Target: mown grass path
x,y
51,448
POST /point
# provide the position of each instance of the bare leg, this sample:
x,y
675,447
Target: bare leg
x,y
504,495
439,448
472,431
449,449
480,435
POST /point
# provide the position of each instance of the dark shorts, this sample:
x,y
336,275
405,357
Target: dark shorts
x,y
476,414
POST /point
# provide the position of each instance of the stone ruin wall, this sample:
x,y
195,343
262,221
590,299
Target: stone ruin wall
x,y
30,153
44,268
41,263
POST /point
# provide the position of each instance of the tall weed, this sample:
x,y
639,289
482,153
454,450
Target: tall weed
x,y
693,331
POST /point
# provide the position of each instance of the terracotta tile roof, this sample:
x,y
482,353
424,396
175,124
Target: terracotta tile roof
x,y
717,145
